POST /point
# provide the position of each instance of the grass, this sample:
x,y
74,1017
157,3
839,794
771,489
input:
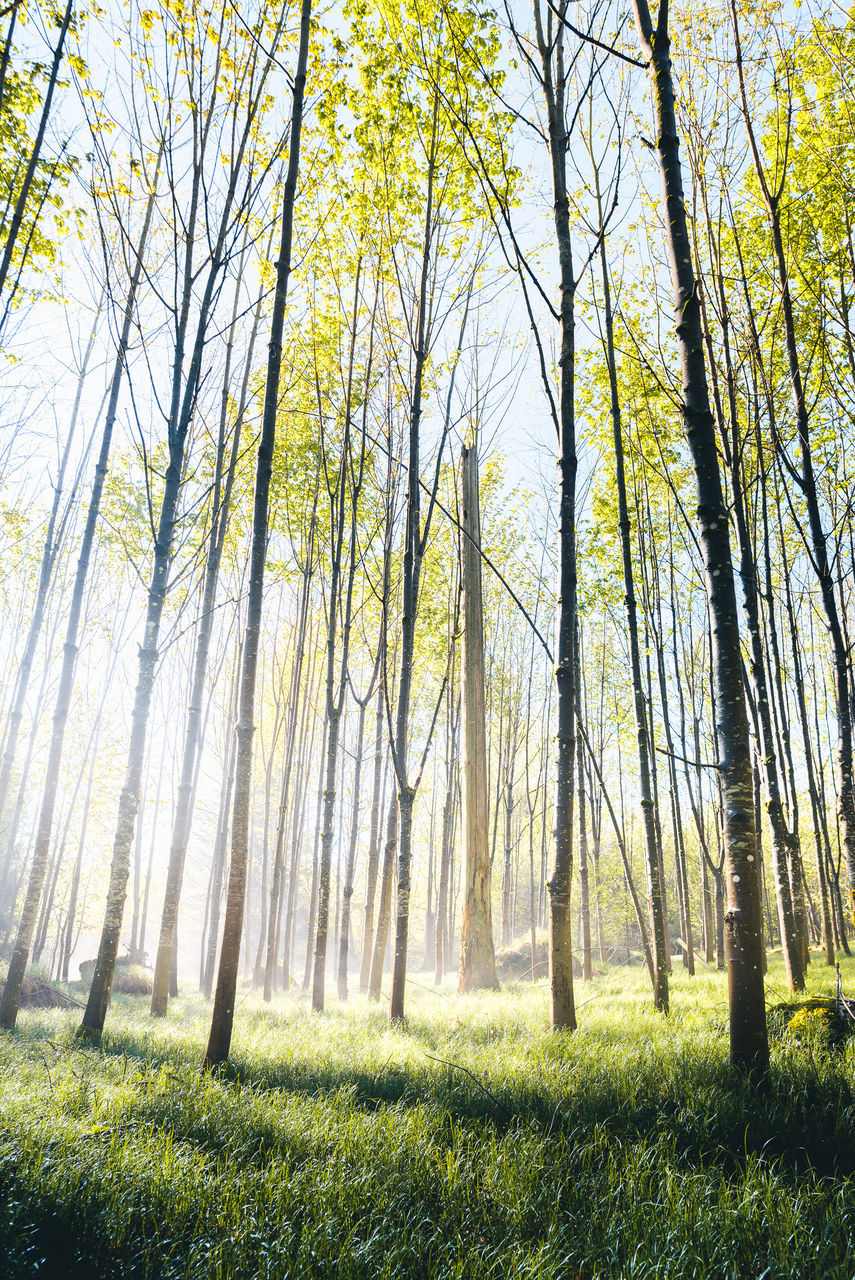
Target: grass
x,y
471,1143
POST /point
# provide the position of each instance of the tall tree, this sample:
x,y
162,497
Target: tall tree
x,y
217,239
477,956
749,1045
18,963
222,1019
221,497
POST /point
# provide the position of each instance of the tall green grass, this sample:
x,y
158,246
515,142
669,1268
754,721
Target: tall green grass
x,y
470,1143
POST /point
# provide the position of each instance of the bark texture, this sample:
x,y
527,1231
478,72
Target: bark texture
x,y
477,954
222,1018
749,1045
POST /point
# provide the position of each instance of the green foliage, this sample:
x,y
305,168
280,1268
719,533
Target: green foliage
x,y
337,1147
48,216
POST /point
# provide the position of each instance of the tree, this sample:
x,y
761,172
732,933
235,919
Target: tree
x,y
477,957
221,497
26,927
222,1018
749,1047
248,88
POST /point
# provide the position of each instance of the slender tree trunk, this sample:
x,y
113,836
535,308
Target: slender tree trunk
x,y
313,891
218,862
749,1046
54,538
220,509
102,980
442,897
223,1014
652,852
297,826
584,889
453,880
7,53
680,859
347,892
732,450
477,957
319,963
373,847
553,78
18,962
384,911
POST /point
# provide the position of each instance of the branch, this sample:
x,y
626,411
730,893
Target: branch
x,y
484,557
457,1067
696,764
589,39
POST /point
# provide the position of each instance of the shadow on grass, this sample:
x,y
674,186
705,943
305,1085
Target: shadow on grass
x,y
802,1118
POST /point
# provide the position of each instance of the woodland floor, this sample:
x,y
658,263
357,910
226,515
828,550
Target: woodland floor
x,y
471,1143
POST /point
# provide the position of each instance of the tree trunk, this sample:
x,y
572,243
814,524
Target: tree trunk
x,y
322,928
218,861
584,888
18,962
442,897
553,78
373,847
749,1046
30,172
477,957
297,826
384,911
347,892
652,851
680,859
732,450
220,506
222,1019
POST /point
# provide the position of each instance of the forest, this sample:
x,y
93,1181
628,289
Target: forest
x,y
427,797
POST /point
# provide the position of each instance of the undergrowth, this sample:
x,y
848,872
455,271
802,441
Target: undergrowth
x,y
472,1142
